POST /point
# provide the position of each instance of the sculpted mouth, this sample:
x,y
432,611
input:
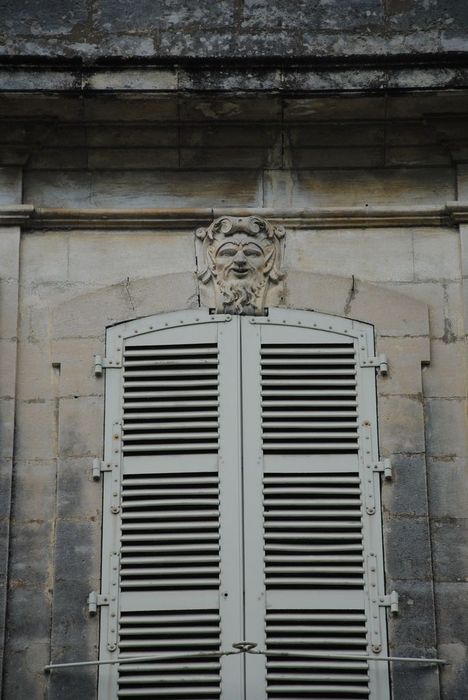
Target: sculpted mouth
x,y
240,271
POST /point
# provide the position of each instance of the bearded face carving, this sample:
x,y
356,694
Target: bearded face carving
x,y
241,258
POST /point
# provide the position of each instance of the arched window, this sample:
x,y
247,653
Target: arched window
x,y
242,502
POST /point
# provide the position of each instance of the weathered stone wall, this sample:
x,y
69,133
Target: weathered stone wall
x,y
338,159
232,28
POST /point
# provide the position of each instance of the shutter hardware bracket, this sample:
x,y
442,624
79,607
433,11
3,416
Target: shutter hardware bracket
x,y
385,467
98,467
95,600
390,601
378,361
101,363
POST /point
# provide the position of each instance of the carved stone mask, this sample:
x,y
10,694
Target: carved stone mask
x,y
241,258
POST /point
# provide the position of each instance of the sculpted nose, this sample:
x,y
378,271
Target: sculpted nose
x,y
240,258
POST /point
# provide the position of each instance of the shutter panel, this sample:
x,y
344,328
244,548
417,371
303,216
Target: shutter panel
x,y
171,543
309,540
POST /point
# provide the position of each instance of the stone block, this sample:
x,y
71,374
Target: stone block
x,y
36,430
405,356
407,548
81,423
28,618
35,491
7,368
36,379
316,292
412,633
445,306
436,254
401,425
347,252
336,133
323,108
350,157
359,187
30,571
132,79
117,16
24,671
413,156
87,315
226,135
135,158
231,158
74,366
55,158
406,493
450,548
129,135
10,185
8,307
446,428
77,557
54,17
144,189
107,258
7,427
64,684
105,108
78,496
44,258
452,627
448,487
443,377
225,109
58,189
394,315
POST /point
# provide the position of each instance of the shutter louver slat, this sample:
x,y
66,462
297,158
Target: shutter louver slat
x,y
322,517
297,678
186,415
170,633
195,512
319,376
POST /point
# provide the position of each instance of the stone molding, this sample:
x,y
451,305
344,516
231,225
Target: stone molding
x,y
450,214
281,78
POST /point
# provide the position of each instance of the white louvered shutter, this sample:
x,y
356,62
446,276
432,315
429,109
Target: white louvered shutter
x,y
241,501
313,554
172,565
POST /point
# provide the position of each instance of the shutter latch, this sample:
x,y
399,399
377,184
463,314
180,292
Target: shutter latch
x,y
379,361
384,466
98,467
390,601
102,363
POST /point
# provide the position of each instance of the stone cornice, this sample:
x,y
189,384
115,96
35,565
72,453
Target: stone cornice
x,y
185,219
14,214
31,218
277,75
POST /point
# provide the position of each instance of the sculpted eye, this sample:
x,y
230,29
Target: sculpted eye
x,y
227,252
252,252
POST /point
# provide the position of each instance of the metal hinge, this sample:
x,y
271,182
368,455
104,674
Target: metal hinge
x,y
384,466
378,361
390,601
95,600
98,467
102,363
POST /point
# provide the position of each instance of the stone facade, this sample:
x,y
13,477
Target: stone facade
x,y
106,172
